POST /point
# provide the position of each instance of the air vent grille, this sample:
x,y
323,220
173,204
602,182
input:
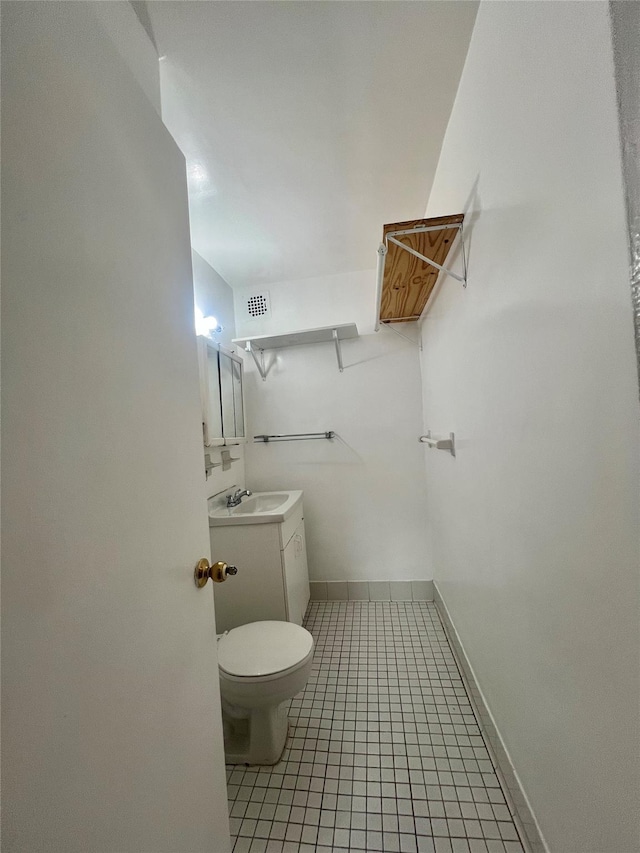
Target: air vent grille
x,y
257,305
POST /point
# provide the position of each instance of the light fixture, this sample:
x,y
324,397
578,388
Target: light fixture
x,y
206,326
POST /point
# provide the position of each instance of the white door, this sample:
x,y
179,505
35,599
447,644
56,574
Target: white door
x,y
111,717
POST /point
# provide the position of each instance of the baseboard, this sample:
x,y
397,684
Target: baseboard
x,y
516,798
371,590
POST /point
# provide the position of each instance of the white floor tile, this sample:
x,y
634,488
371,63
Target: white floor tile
x,y
384,752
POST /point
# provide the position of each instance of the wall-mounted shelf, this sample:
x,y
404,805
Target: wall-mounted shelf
x,y
257,344
410,259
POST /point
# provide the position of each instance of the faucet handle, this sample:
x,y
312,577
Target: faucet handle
x,y
235,498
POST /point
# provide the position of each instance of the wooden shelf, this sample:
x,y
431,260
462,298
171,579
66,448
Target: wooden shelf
x,y
408,280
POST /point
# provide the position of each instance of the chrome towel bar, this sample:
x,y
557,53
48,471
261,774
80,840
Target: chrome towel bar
x,y
295,436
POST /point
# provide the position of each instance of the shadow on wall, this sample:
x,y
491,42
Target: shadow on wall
x,y
471,211
333,451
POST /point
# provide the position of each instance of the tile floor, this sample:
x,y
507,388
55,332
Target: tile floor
x,y
384,752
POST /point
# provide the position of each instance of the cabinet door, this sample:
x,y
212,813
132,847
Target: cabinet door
x,y
296,575
232,401
257,591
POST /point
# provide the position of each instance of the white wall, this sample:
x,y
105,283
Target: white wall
x,y
364,494
304,304
214,297
534,527
122,26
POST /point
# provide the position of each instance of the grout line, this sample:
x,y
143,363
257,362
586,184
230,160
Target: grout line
x,y
385,710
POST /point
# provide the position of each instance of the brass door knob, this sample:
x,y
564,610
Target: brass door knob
x,y
217,572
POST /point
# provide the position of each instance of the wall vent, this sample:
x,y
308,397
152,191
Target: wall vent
x,y
257,305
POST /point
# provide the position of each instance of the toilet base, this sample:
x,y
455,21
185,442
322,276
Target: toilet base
x,y
258,738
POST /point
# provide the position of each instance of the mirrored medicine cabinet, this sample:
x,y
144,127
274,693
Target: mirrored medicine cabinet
x,y
221,379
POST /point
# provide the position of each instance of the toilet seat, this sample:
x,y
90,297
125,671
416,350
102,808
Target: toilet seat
x,y
263,651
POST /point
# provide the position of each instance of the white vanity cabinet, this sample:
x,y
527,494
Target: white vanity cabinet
x,y
272,580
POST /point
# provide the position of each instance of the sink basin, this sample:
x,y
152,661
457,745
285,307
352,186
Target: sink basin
x,y
260,508
261,503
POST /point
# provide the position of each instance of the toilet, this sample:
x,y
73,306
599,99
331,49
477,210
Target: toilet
x,y
262,665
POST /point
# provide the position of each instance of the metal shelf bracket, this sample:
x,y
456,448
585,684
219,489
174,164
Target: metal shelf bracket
x,y
336,340
391,237
259,361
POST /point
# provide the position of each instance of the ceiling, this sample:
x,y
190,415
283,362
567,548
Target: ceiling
x,y
306,125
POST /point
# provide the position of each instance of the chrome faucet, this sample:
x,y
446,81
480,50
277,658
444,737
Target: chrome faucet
x,y
236,497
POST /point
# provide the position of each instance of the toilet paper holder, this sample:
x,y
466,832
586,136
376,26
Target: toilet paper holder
x,y
440,443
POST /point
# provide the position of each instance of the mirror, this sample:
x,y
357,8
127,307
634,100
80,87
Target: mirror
x,y
222,401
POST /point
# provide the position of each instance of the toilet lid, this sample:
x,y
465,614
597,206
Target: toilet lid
x,y
263,648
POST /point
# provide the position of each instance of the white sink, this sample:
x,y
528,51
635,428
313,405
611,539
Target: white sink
x,y
260,508
262,503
